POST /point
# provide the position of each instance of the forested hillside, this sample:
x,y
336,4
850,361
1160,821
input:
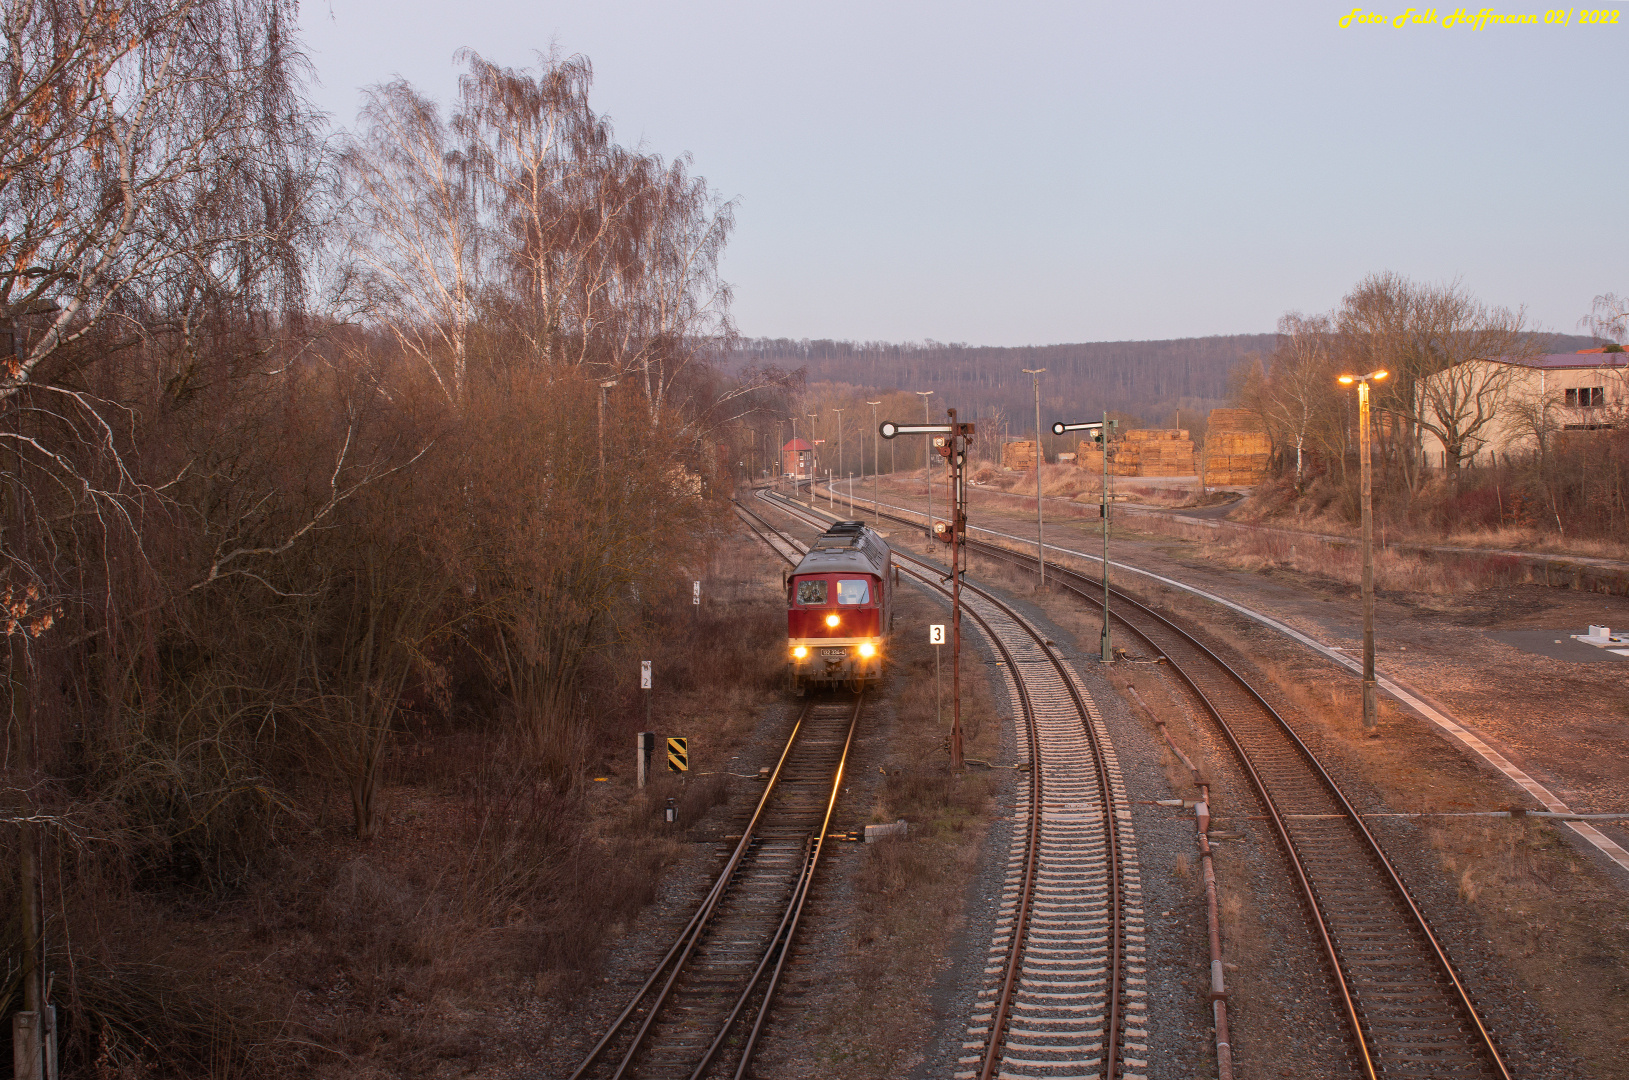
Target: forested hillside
x,y
1149,380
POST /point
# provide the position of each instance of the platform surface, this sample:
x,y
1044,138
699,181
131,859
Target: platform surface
x,y
1557,645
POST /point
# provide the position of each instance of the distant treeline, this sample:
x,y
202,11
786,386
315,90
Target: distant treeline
x,y
1150,380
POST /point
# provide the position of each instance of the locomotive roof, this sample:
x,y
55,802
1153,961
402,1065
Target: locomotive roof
x,y
846,546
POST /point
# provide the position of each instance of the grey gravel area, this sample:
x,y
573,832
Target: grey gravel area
x,y
956,990
1277,967
1283,968
797,1035
1181,1041
1526,1037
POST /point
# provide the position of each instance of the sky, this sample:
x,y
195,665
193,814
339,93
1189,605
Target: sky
x,y
1039,173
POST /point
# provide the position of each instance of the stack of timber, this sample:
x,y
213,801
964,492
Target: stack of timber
x,y
1157,452
1236,448
1018,455
1088,456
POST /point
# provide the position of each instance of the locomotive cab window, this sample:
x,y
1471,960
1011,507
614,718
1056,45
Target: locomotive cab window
x,y
853,591
811,592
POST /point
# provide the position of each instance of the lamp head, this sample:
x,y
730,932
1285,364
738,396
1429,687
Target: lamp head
x,y
1346,380
1377,376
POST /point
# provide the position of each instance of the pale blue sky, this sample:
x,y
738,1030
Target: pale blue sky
x,y
1034,173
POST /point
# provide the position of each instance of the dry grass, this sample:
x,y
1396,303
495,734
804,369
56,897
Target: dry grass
x,y
1435,517
1395,570
486,885
1530,539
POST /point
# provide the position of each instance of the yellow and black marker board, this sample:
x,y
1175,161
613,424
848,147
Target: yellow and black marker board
x,y
678,755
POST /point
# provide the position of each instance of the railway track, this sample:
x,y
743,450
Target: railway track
x,y
700,1013
1407,1010
1062,993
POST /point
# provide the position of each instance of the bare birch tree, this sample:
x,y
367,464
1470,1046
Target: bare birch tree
x,y
1609,318
418,228
1301,383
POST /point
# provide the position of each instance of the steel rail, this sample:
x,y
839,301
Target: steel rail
x,y
802,895
679,952
1074,580
1355,819
1000,1016
1078,583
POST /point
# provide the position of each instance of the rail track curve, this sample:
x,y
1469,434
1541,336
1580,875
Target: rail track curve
x,y
1407,1009
1068,955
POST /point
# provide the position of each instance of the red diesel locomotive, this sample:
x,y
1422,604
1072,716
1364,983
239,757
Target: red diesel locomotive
x,y
840,608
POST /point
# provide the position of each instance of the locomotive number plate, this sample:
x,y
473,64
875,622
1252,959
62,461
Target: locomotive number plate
x,y
834,654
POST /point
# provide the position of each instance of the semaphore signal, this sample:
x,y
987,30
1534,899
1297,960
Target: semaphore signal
x,y
950,440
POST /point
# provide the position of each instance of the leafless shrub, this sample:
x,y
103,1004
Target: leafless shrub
x,y
252,557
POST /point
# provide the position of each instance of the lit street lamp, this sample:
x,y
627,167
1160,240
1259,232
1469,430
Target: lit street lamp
x,y
1369,721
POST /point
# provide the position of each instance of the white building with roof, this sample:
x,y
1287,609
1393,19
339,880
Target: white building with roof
x,y
1508,406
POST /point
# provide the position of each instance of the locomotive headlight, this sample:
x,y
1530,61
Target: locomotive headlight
x,y
868,650
800,651
832,620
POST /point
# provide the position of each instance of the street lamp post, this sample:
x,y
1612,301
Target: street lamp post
x,y
604,386
795,455
927,469
839,413
1366,471
877,465
1040,549
814,458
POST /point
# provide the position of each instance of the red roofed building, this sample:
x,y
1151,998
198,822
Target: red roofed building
x,y
798,459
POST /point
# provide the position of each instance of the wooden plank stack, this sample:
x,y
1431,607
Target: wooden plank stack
x,y
1018,455
1088,456
1156,452
1236,448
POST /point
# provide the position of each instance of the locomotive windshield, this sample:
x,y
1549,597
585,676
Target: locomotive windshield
x,y
811,592
853,591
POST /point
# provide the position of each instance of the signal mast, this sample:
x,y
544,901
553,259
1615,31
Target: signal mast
x,y
950,440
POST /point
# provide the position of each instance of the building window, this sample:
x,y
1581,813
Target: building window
x,y
1586,397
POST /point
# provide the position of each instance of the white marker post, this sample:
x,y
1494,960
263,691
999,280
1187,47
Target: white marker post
x,y
644,684
695,603
936,638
